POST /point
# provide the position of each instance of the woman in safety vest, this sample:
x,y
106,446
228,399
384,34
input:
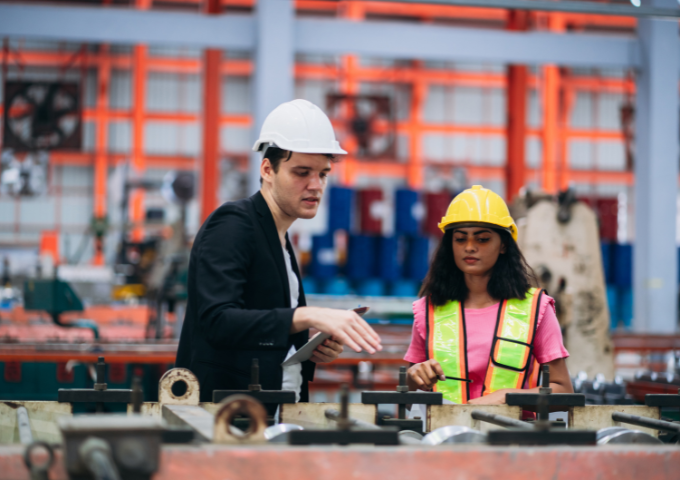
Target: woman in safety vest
x,y
480,329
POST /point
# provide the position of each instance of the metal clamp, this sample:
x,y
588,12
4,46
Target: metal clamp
x,y
268,397
99,395
402,397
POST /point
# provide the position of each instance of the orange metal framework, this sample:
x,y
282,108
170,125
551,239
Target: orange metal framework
x,y
557,88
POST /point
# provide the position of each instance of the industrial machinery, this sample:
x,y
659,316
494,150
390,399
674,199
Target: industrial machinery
x,y
164,438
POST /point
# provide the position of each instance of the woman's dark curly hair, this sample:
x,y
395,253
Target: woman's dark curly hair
x,y
511,276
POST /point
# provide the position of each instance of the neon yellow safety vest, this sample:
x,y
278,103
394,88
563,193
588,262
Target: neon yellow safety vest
x,y
510,351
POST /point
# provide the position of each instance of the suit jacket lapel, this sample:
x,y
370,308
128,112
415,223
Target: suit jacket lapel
x,y
301,297
269,227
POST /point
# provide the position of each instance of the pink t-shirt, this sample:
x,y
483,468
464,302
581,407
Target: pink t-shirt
x,y
479,325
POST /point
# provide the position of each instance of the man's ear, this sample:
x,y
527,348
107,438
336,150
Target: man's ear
x,y
266,169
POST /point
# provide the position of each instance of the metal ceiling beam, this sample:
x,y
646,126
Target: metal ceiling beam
x,y
594,8
430,42
127,26
319,36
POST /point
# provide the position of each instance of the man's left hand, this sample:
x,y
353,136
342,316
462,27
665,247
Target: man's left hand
x,y
328,351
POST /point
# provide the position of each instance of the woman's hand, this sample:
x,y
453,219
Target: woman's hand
x,y
328,351
495,398
423,376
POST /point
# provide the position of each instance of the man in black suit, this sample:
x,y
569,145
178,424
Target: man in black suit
x,y
245,296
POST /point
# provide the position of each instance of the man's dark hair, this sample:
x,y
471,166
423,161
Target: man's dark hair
x,y
511,277
276,154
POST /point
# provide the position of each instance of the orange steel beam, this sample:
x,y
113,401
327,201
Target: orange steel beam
x,y
568,99
363,167
551,89
101,149
138,165
139,71
232,67
87,159
516,101
352,10
414,171
211,123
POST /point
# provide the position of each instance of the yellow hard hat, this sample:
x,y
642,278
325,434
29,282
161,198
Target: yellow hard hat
x,y
479,205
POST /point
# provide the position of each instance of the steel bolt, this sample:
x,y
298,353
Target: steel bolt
x,y
255,376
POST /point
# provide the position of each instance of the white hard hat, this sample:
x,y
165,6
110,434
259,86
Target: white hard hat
x,y
298,126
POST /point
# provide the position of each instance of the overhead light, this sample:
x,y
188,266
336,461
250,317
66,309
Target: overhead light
x,y
636,3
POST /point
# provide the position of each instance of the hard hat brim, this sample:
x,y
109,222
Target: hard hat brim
x,y
512,229
263,145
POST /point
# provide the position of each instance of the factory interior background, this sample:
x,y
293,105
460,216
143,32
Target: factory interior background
x,y
115,151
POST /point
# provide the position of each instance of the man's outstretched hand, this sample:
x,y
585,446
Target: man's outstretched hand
x,y
344,326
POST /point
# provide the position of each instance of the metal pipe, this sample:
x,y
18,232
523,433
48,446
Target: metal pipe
x,y
403,388
500,420
594,8
137,394
646,422
25,433
95,453
255,376
335,415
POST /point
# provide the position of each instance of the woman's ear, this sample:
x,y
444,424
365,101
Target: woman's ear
x,y
504,247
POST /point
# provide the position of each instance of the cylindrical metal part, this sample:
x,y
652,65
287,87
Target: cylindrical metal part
x,y
255,376
543,409
343,420
621,435
403,386
100,382
545,380
500,420
137,395
646,422
96,454
24,424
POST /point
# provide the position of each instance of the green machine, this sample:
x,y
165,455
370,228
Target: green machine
x,y
55,297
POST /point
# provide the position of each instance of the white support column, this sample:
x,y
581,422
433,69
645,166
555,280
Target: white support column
x,y
274,76
655,264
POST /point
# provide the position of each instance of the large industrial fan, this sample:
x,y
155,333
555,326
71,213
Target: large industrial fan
x,y
368,119
42,116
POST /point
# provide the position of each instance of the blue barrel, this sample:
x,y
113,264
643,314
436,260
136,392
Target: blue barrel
x,y
417,258
336,286
607,260
623,266
389,260
613,303
310,285
404,288
371,287
361,258
324,260
406,212
339,208
626,307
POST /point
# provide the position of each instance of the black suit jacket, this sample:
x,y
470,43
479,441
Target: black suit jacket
x,y
239,301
